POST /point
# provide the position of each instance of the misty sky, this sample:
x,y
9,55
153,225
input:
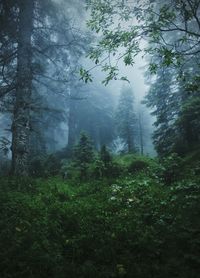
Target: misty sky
x,y
134,73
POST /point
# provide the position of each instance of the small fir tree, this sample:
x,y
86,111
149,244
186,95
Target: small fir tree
x,y
106,160
83,154
105,156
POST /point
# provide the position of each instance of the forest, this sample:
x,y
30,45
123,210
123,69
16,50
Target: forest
x,y
99,138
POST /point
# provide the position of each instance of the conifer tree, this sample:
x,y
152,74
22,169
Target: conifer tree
x,y
36,41
83,154
105,156
106,160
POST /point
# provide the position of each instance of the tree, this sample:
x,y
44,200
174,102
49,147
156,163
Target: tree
x,y
83,154
105,159
164,102
126,118
189,118
144,129
91,110
21,122
124,25
171,30
36,41
174,101
105,156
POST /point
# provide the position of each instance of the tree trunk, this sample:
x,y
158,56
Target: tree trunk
x,y
21,117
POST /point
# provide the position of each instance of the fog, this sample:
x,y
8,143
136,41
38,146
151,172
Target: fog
x,y
62,104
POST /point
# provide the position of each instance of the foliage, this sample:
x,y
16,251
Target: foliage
x,y
137,166
171,29
45,166
83,155
106,159
175,102
171,170
155,21
53,53
99,170
189,120
130,227
118,146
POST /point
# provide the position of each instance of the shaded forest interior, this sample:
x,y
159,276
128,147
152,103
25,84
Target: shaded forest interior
x,y
99,138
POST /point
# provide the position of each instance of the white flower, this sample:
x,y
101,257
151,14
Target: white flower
x,y
115,187
113,198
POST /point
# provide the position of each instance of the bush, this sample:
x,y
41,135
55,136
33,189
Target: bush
x,y
172,168
45,166
138,166
99,170
36,167
132,228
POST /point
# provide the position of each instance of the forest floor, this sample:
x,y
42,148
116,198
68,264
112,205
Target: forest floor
x,y
140,225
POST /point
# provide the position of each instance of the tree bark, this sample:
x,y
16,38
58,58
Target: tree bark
x,y
21,117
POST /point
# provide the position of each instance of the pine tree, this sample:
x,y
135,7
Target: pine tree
x,y
83,154
174,99
106,161
35,44
105,156
164,102
21,122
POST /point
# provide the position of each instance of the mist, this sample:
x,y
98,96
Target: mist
x,y
58,89
99,138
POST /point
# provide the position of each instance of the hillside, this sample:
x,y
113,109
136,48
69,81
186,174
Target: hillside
x,y
134,225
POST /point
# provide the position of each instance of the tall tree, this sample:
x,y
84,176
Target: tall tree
x,y
126,118
92,110
174,98
21,122
172,31
164,102
36,43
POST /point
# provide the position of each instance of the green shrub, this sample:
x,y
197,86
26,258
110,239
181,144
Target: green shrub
x,y
52,166
138,166
36,167
45,166
131,226
172,168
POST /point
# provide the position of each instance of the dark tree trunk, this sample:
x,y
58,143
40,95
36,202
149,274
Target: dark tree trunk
x,y
21,118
